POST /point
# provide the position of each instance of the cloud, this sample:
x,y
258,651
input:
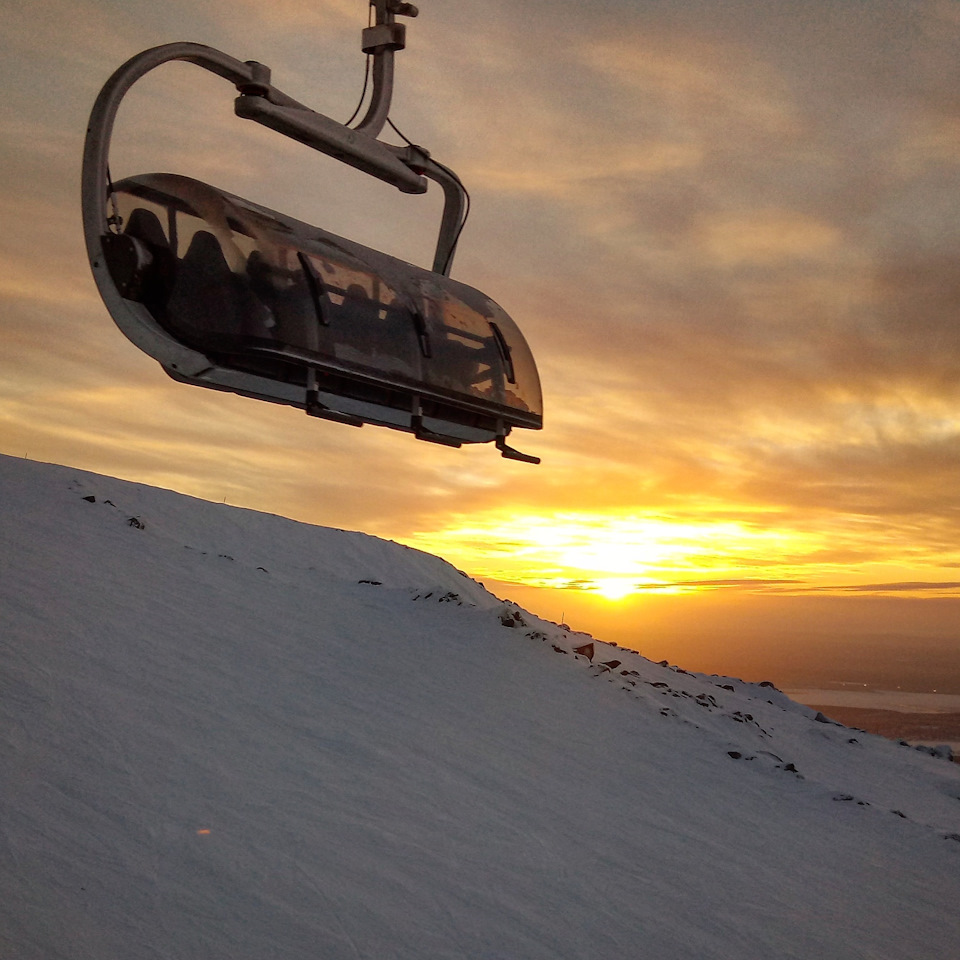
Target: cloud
x,y
945,586
747,582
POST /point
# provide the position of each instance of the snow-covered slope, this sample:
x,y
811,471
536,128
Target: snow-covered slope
x,y
228,735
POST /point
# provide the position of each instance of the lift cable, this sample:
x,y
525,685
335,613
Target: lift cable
x,y
363,94
366,74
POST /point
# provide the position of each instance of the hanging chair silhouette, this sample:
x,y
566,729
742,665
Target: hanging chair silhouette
x,y
229,295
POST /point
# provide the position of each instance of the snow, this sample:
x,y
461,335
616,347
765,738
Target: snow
x,y
216,741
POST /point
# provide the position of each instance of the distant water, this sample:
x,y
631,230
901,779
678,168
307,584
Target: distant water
x,y
898,700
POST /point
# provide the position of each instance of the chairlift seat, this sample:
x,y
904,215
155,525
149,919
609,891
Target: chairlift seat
x,y
230,295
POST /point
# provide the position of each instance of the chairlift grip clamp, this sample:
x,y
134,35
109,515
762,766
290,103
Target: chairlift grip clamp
x,y
259,83
386,33
417,158
383,36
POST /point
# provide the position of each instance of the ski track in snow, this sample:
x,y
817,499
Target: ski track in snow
x,y
227,734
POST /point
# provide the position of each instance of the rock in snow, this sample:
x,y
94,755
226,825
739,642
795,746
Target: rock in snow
x,y
217,741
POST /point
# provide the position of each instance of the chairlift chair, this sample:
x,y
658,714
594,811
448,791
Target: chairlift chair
x,y
227,294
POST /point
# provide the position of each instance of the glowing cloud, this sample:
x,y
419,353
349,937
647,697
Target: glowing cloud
x,y
612,554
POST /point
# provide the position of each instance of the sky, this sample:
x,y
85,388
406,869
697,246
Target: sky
x,y
728,231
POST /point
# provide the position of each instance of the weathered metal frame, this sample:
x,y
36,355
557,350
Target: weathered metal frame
x,y
406,168
261,101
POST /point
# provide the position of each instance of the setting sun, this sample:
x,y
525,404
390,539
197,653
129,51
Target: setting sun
x,y
614,588
615,556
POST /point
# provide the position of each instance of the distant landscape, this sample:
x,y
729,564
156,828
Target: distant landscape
x,y
931,728
876,643
894,661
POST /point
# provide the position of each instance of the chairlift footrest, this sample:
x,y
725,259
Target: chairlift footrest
x,y
512,454
421,434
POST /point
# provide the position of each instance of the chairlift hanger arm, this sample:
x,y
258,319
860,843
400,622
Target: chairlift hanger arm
x,y
352,147
381,41
454,212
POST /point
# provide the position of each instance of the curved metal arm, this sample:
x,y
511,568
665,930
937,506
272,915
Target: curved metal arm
x,y
382,40
379,107
96,150
454,209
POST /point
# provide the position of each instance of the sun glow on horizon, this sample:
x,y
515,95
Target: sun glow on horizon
x,y
614,588
617,556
